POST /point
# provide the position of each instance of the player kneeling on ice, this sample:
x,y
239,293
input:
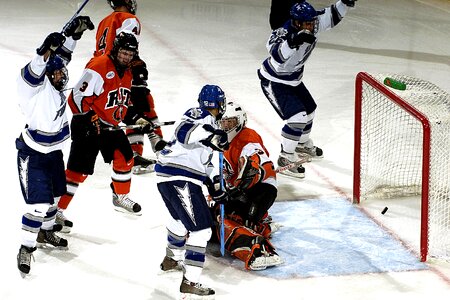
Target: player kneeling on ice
x,y
182,168
251,184
40,158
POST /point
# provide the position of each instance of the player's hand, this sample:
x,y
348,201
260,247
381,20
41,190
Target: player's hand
x,y
77,26
296,39
52,42
140,72
217,140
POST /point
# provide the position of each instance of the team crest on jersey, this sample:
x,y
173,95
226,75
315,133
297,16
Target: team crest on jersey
x,y
110,75
118,100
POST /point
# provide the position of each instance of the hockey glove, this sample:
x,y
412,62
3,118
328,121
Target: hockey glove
x,y
349,3
249,171
160,145
85,125
140,72
294,40
237,194
217,140
52,42
219,195
77,26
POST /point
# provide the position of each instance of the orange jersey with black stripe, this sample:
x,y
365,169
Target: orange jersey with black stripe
x,y
248,143
101,89
111,26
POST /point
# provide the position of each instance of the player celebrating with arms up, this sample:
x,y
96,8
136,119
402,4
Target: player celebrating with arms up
x,y
39,158
281,76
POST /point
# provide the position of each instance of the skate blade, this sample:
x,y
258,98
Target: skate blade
x,y
292,174
185,296
51,247
124,211
138,170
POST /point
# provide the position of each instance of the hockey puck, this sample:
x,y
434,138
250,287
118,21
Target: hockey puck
x,y
384,210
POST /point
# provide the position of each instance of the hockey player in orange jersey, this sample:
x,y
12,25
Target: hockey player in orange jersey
x,y
251,182
99,101
123,19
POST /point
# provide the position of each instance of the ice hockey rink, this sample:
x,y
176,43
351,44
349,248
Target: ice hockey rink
x,y
332,248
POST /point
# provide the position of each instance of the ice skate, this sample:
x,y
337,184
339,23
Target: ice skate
x,y
49,238
170,264
24,259
124,204
285,159
194,290
262,258
63,221
143,165
308,149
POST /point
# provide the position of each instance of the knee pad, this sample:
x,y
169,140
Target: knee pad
x,y
199,238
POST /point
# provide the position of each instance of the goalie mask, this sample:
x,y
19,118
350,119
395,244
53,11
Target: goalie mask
x,y
56,72
212,96
233,120
130,4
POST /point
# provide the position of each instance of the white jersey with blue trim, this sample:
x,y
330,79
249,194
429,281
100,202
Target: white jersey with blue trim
x,y
43,106
285,65
185,157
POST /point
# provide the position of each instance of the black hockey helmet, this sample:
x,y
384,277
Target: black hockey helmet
x,y
130,4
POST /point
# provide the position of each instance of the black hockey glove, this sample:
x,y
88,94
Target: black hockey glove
x,y
77,26
85,125
160,145
220,196
237,194
294,40
349,3
140,72
52,42
217,140
249,171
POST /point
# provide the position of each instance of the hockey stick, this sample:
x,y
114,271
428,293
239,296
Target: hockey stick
x,y
122,127
222,208
75,15
293,164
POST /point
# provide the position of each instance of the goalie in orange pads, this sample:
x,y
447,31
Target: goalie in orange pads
x,y
251,183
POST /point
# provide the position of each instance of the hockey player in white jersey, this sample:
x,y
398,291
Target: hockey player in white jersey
x,y
281,76
182,168
40,159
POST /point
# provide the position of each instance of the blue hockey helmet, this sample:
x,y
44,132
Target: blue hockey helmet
x,y
212,96
57,72
303,12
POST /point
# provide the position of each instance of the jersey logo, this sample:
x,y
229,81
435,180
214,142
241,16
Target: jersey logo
x,y
62,108
110,75
118,99
195,113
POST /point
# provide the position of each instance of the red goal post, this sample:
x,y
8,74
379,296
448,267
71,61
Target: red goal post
x,y
401,148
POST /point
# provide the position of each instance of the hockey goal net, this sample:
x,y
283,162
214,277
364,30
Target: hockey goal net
x,y
402,150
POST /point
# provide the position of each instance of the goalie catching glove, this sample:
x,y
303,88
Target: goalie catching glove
x,y
217,140
218,194
250,172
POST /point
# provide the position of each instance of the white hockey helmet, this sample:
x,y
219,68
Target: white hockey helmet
x,y
233,120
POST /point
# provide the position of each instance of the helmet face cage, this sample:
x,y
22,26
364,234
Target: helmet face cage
x,y
57,72
233,120
212,96
126,41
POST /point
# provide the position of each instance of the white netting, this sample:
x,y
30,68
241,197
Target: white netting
x,y
392,145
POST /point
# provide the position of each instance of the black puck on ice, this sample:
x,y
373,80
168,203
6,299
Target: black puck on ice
x,y
384,210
